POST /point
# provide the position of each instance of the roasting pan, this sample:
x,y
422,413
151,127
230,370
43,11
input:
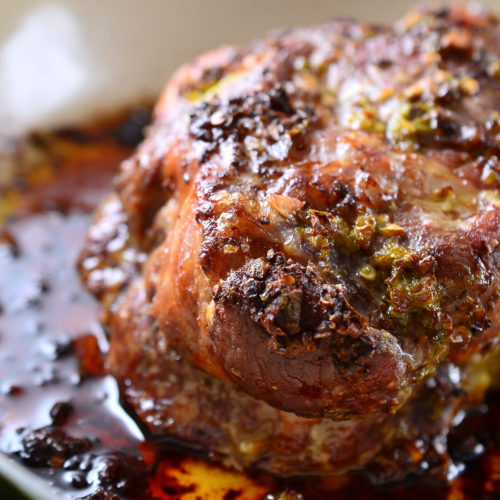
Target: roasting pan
x,y
65,61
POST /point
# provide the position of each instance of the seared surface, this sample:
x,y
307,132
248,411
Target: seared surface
x,y
319,213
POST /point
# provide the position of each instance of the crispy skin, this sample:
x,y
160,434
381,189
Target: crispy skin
x,y
319,212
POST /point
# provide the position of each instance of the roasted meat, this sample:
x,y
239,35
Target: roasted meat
x,y
308,236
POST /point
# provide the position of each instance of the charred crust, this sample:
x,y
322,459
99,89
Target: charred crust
x,y
294,306
262,125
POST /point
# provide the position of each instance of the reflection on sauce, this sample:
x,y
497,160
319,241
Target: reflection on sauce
x,y
60,414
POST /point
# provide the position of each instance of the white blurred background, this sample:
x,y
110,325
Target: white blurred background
x,y
66,60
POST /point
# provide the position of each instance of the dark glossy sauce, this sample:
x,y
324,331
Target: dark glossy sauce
x,y
61,415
